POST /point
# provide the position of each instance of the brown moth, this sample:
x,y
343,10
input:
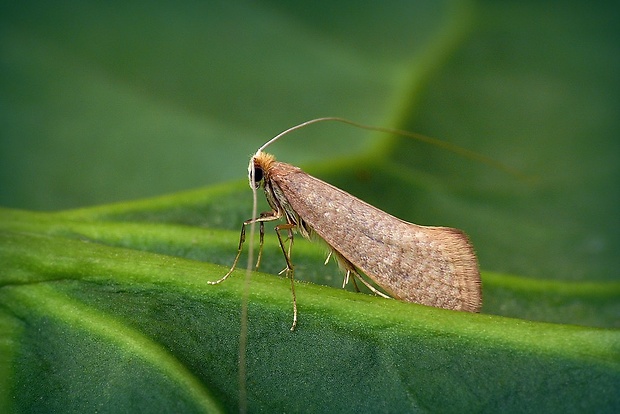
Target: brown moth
x,y
434,266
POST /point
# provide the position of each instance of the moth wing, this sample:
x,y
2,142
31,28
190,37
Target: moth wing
x,y
433,266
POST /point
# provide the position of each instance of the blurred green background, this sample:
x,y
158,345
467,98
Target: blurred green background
x,y
115,100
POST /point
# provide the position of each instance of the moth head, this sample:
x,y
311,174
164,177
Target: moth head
x,y
258,168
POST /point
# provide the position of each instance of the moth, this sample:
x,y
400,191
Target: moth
x,y
434,266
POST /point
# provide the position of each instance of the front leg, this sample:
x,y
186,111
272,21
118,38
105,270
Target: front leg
x,y
261,219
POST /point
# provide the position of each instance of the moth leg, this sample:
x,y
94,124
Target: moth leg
x,y
260,243
347,276
290,240
369,286
357,289
286,251
289,266
346,266
267,216
346,279
329,255
262,218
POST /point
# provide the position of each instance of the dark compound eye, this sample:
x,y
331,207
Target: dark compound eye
x,y
258,176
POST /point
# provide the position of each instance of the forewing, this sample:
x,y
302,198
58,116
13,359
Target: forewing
x,y
434,266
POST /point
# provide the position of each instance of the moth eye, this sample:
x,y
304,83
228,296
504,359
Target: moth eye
x,y
258,176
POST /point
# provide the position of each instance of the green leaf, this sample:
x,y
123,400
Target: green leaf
x,y
108,308
128,329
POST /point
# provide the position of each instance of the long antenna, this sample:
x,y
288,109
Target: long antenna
x,y
464,152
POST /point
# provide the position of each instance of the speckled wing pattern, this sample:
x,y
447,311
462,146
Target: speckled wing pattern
x,y
434,266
